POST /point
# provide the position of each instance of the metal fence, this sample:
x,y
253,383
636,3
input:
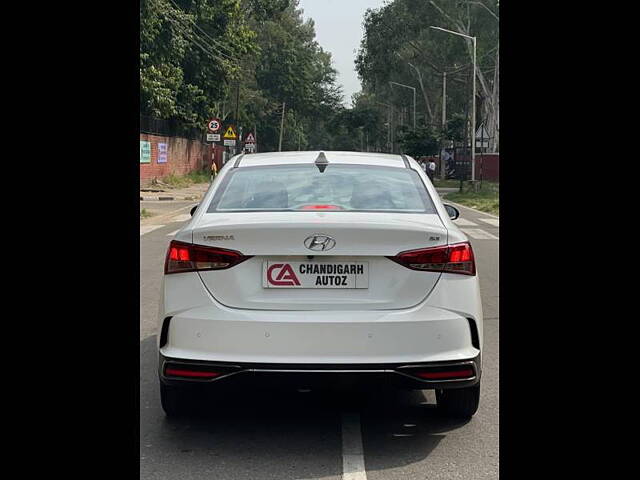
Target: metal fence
x,y
169,128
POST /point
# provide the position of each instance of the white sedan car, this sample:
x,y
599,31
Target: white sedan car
x,y
321,268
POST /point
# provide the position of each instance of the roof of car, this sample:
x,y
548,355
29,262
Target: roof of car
x,y
285,158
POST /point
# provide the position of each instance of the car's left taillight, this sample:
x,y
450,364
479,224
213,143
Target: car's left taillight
x,y
186,257
456,258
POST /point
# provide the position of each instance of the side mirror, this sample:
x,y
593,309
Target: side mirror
x,y
193,210
452,211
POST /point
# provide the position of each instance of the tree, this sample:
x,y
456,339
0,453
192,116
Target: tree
x,y
399,46
423,141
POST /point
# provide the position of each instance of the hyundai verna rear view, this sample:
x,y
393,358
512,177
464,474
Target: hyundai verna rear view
x,y
321,267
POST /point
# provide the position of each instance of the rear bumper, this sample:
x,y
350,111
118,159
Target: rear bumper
x,y
335,376
446,327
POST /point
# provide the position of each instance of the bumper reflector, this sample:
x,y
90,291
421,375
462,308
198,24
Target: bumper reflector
x,y
174,372
447,375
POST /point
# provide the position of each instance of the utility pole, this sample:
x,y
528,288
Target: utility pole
x,y
281,128
414,99
388,105
443,167
473,100
235,119
389,130
237,102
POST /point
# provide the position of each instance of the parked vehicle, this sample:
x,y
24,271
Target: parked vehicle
x,y
321,267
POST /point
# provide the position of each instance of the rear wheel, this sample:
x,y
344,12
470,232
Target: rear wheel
x,y
459,402
176,401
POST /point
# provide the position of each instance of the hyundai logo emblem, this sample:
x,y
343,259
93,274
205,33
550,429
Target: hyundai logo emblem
x,y
319,242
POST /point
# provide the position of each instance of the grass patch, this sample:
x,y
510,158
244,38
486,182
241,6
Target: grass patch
x,y
144,213
485,200
182,181
448,183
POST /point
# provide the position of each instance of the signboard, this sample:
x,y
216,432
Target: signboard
x,y
230,134
145,151
482,133
482,137
213,137
250,147
162,152
214,125
229,143
250,138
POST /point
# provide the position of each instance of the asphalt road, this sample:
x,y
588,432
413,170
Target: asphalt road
x,y
311,435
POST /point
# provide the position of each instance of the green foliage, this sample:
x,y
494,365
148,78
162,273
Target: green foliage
x,y
399,46
198,57
485,200
181,181
144,213
422,141
454,130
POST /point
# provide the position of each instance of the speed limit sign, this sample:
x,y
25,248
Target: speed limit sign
x,y
214,125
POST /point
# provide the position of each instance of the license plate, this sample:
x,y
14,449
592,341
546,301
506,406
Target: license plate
x,y
315,274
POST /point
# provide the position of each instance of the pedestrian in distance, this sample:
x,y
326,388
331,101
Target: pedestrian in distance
x,y
431,169
214,170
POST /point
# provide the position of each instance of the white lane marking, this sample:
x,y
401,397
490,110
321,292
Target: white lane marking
x,y
464,223
479,234
352,452
181,218
149,228
491,221
172,233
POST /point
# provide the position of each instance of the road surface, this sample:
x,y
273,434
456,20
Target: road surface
x,y
309,435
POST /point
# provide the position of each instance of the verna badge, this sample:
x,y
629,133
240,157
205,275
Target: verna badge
x,y
319,242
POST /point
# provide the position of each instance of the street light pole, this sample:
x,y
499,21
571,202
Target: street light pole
x,y
473,101
414,100
473,118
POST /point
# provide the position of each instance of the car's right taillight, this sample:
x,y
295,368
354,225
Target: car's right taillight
x,y
456,258
186,257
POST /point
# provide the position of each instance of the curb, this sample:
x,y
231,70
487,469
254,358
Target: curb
x,y
164,216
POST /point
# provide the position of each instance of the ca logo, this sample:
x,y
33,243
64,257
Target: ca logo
x,y
285,275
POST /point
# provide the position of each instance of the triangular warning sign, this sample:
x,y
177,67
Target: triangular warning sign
x,y
482,132
230,134
250,138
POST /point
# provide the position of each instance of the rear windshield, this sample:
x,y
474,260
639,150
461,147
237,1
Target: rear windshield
x,y
339,187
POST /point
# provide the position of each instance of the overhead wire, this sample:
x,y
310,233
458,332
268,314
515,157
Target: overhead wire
x,y
216,42
197,40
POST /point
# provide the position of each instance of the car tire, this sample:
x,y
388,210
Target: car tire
x,y
175,401
459,402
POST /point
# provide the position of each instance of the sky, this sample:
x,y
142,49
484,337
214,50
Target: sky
x,y
338,25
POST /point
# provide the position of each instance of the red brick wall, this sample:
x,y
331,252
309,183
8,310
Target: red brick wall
x,y
183,156
490,166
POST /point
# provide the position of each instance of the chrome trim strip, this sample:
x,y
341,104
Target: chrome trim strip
x,y
398,371
279,370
